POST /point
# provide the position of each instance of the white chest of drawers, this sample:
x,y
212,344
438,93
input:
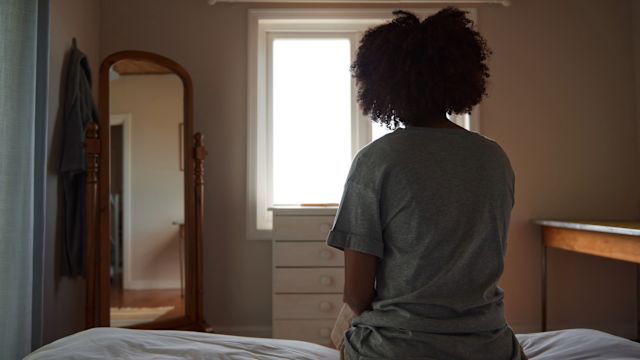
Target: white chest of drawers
x,y
308,276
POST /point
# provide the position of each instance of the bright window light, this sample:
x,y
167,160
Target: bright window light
x,y
463,120
311,119
378,131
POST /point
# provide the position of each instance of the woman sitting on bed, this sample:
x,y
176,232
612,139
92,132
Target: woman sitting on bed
x,y
425,211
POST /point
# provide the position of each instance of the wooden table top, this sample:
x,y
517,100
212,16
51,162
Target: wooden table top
x,y
607,226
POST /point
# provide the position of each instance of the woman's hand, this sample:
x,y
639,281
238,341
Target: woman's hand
x,y
359,285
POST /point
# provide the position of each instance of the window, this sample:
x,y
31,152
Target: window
x,y
304,125
311,114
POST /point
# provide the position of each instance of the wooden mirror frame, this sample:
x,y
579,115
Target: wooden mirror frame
x,y
98,249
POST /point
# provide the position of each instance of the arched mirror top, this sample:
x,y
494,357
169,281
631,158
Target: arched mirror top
x,y
141,61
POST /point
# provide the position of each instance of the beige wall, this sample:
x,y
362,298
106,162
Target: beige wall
x,y
154,103
635,13
561,103
63,303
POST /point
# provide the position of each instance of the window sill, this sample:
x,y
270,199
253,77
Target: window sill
x,y
297,210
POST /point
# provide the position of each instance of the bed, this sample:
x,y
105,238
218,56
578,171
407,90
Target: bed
x,y
115,343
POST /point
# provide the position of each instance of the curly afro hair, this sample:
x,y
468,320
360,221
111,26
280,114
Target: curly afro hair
x,y
408,71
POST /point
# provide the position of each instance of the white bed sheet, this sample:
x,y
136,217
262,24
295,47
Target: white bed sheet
x,y
578,344
114,343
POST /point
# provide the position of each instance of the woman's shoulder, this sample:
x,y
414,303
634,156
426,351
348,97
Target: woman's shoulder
x,y
404,141
376,147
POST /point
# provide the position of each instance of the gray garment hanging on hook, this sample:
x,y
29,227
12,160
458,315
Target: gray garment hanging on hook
x,y
79,110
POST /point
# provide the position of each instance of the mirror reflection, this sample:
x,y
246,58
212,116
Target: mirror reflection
x,y
147,194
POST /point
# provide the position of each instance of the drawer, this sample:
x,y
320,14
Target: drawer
x,y
306,254
316,306
318,280
315,331
302,227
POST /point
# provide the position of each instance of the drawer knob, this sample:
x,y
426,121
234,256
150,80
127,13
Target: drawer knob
x,y
325,306
326,254
325,228
326,280
325,332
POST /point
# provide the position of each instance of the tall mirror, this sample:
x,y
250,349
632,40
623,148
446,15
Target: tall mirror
x,y
150,196
146,193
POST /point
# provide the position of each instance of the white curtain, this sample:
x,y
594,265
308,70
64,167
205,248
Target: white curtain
x,y
17,116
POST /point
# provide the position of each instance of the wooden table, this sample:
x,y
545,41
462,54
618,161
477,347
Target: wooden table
x,y
618,240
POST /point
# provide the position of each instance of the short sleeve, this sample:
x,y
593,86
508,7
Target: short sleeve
x,y
357,224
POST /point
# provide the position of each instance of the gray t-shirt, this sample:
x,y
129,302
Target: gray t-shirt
x,y
433,204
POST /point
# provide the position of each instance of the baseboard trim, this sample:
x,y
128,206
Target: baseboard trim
x,y
525,328
265,331
152,284
261,331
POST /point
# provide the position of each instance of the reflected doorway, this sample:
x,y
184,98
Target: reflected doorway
x,y
146,196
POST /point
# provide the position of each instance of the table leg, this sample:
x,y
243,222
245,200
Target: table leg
x,y
544,287
180,259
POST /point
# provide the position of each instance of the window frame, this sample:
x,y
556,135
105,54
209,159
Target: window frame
x,y
264,25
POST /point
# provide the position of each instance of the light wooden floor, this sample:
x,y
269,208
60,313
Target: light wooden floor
x,y
149,298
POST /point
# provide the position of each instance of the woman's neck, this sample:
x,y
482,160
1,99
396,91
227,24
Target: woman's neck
x,y
436,121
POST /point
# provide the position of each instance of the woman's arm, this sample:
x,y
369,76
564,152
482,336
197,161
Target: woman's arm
x,y
359,284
